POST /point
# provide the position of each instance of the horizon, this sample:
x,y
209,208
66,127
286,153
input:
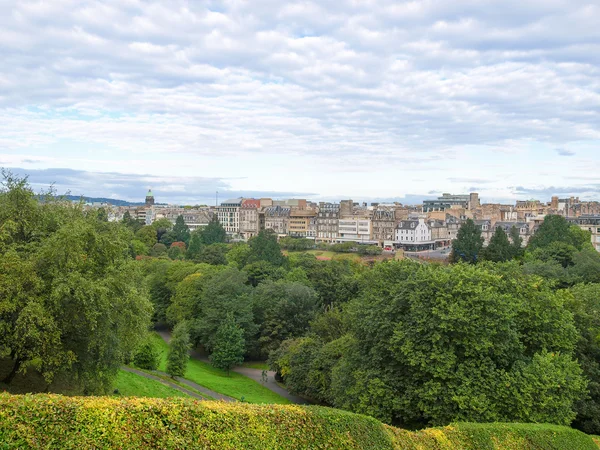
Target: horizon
x,y
323,101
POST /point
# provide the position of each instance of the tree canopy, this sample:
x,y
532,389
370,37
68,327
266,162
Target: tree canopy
x,y
468,243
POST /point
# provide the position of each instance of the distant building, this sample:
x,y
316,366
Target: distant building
x,y
328,218
589,223
277,219
414,235
228,214
149,198
448,201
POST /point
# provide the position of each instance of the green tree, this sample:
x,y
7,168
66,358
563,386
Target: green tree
x,y
195,246
130,222
158,250
584,304
238,254
229,346
468,243
139,248
102,215
146,357
177,251
214,233
264,247
181,231
499,249
179,348
72,303
516,242
558,229
215,254
162,226
147,235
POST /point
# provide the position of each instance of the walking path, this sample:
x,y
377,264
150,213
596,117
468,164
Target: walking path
x,y
254,374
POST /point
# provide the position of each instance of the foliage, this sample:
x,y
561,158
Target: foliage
x,y
557,229
130,222
584,303
432,344
369,250
50,421
158,249
146,357
516,242
181,231
147,235
72,303
229,347
177,250
215,254
264,247
213,233
261,271
139,248
296,244
195,246
238,254
468,243
499,249
179,348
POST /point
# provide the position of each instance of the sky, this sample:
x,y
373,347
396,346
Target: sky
x,y
364,99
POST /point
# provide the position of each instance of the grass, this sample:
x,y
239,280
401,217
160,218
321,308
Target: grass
x,y
132,385
260,365
235,385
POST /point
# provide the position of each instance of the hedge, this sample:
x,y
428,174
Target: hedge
x,y
54,421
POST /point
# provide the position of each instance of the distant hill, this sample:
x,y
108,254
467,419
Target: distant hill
x,y
110,201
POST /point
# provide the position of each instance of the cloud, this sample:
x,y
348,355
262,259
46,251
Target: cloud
x,y
565,152
545,192
133,187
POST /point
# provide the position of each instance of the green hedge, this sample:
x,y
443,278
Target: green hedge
x,y
54,421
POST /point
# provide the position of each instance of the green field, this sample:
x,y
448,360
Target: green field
x,y
234,385
132,385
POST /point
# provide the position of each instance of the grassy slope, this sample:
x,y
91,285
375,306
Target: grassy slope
x,y
234,385
132,385
51,421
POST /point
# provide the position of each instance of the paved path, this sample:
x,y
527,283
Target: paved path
x,y
254,374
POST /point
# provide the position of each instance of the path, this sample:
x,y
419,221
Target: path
x,y
165,382
253,374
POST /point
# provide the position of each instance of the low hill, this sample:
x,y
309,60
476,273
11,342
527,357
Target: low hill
x,y
54,421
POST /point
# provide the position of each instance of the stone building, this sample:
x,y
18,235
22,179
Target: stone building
x,y
327,217
277,219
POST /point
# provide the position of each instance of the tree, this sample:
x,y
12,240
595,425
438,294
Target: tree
x,y
499,249
468,243
147,235
238,254
102,215
516,242
179,348
131,223
195,246
139,248
177,250
230,345
181,231
264,247
158,250
214,233
214,254
146,357
557,229
72,303
162,226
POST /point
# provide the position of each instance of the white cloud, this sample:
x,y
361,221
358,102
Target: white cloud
x,y
352,85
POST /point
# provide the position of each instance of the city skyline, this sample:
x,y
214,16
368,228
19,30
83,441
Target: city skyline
x,y
330,100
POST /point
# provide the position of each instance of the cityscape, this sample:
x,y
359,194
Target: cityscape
x,y
430,226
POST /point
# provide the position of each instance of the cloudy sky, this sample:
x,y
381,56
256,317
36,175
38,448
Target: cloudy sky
x,y
361,99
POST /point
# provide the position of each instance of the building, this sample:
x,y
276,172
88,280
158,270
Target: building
x,y
228,214
277,218
447,201
414,235
249,218
357,230
328,217
384,225
193,218
149,198
299,223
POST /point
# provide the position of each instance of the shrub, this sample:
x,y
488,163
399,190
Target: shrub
x,y
54,421
147,357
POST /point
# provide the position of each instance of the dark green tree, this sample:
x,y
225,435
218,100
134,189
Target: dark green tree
x,y
102,215
195,246
264,247
499,249
558,229
181,231
215,254
468,243
229,346
147,235
179,349
130,222
214,233
158,250
146,357
516,242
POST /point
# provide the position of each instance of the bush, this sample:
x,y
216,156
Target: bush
x,y
147,357
54,421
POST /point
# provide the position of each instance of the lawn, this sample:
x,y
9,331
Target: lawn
x,y
132,385
261,365
235,385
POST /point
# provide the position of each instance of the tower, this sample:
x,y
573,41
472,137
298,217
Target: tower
x,y
149,198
